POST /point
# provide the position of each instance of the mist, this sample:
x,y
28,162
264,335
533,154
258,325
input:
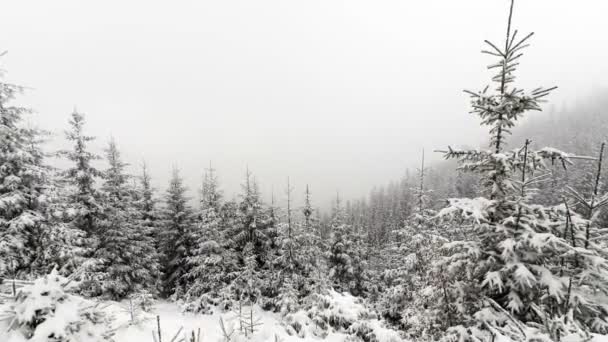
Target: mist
x,y
340,95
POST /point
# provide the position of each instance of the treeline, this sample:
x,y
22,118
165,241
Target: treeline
x,y
512,245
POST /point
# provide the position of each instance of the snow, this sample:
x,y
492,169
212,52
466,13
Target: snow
x,y
273,325
469,208
344,308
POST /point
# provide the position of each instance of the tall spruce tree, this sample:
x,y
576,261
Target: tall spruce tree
x,y
126,254
255,220
84,197
176,231
212,262
312,244
23,183
83,207
511,277
147,205
340,259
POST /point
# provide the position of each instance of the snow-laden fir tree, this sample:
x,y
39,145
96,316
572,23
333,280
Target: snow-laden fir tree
x,y
312,245
85,208
258,226
23,182
147,206
254,222
61,246
212,263
288,259
512,277
298,255
249,281
176,231
127,259
346,254
416,246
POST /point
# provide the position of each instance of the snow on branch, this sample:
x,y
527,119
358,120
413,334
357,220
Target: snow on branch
x,y
475,209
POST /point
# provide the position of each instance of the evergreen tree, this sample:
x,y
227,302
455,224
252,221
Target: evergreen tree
x,y
23,183
212,262
255,221
126,255
147,218
176,231
518,268
147,206
312,244
84,197
340,262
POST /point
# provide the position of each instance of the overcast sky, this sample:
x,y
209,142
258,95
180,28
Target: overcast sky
x,y
342,95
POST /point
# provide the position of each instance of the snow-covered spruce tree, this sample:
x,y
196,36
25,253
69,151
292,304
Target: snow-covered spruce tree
x,y
419,237
84,198
127,260
176,231
288,260
312,245
339,260
230,223
60,246
23,182
248,283
407,276
511,278
147,206
254,219
210,261
346,261
298,261
83,209
254,224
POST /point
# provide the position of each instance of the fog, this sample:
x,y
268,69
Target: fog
x,y
342,95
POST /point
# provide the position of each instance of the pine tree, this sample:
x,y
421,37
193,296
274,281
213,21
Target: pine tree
x,y
212,261
84,198
255,221
23,183
312,244
176,231
513,270
127,259
83,204
340,262
61,246
147,206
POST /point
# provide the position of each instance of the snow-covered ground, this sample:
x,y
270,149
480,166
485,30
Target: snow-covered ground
x,y
172,319
44,311
332,317
272,328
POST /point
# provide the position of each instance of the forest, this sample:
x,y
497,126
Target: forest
x,y
507,242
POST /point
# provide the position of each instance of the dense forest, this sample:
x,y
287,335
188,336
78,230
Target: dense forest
x,y
506,241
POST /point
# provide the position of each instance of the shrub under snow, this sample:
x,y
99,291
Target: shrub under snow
x,y
339,312
45,311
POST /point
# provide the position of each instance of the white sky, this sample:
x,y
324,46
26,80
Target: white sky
x,y
342,95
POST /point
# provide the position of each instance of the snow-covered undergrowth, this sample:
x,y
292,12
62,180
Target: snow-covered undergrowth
x,y
46,311
333,317
336,313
